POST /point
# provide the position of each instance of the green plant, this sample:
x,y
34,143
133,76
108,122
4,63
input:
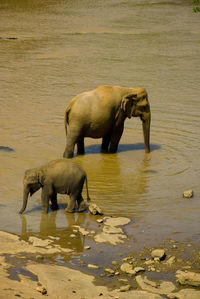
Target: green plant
x,y
197,5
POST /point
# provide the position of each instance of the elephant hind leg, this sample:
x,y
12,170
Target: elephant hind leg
x,y
71,203
72,138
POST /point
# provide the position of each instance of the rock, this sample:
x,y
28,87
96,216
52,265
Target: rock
x,y
83,231
42,290
72,236
95,210
187,294
138,269
112,230
125,288
87,247
93,267
158,254
170,261
109,271
188,193
39,257
100,220
127,268
123,280
114,263
188,278
161,288
36,242
109,238
116,221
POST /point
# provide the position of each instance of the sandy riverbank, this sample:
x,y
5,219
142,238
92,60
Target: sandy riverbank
x,y
36,276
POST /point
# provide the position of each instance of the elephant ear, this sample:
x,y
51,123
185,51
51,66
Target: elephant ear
x,y
128,104
41,177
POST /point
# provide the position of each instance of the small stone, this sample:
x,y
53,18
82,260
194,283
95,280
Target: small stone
x,y
127,268
109,271
171,260
72,236
138,269
87,247
42,290
114,263
93,267
39,257
100,220
125,288
188,193
123,280
158,254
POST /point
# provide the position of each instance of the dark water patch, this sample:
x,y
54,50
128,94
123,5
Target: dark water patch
x,y
18,268
6,148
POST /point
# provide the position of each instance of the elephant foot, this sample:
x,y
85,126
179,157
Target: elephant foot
x,y
54,207
69,210
82,207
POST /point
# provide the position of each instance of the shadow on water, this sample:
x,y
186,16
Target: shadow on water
x,y
96,148
6,148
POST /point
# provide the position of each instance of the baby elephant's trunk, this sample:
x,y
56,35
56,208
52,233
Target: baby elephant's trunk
x,y
25,200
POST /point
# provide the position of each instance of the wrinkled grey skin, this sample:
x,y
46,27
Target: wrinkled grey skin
x,y
58,176
101,113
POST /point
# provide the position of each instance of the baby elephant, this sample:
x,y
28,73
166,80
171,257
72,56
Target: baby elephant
x,y
58,176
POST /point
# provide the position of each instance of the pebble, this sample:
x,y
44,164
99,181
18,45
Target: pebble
x,y
109,271
93,267
188,193
125,288
158,254
87,247
42,290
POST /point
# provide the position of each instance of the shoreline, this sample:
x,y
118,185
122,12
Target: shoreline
x,y
27,271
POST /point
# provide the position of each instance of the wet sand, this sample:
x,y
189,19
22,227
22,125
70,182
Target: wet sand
x,y
26,272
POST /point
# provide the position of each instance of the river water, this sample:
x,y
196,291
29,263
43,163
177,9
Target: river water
x,y
52,50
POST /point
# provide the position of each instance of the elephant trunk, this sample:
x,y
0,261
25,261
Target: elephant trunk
x,y
25,200
146,123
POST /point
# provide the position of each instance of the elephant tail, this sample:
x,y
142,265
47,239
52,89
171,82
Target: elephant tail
x,y
67,110
86,184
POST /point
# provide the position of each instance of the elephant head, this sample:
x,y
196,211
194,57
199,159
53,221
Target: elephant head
x,y
32,183
136,104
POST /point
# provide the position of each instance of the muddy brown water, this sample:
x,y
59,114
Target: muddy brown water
x,y
50,51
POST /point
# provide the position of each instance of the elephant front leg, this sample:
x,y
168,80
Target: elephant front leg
x,y
105,143
115,138
45,197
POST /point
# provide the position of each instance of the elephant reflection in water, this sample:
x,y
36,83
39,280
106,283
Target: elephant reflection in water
x,y
113,181
48,228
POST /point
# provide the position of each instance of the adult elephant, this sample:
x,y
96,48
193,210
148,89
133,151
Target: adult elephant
x,y
100,113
